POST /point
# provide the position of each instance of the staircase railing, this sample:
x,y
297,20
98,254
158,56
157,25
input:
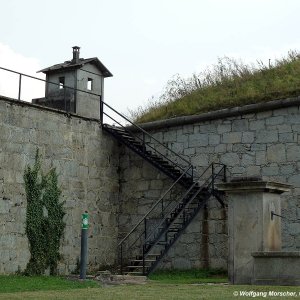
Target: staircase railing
x,y
140,228
208,184
182,219
149,142
133,244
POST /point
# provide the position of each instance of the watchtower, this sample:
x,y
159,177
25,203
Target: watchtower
x,y
75,86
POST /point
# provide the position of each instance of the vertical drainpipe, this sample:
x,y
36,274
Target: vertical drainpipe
x,y
75,60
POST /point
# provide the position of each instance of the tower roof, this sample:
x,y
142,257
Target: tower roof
x,y
77,65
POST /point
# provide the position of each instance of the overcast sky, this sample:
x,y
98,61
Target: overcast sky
x,y
143,43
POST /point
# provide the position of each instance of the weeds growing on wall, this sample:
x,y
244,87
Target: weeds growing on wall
x,y
226,84
44,218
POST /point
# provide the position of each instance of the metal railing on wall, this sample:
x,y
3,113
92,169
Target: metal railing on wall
x,y
21,77
120,120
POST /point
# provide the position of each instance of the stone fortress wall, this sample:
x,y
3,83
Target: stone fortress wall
x,y
117,187
87,164
255,140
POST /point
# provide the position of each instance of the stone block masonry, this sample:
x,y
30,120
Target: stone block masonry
x,y
255,140
87,164
117,187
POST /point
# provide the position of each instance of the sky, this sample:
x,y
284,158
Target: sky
x,y
142,42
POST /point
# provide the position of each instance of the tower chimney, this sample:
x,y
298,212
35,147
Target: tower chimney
x,y
76,54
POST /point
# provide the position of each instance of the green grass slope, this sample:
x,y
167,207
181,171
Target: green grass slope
x,y
227,84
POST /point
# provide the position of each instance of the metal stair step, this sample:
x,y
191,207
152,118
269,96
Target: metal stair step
x,y
155,255
137,145
140,257
124,133
163,163
130,139
114,128
178,223
162,243
174,230
176,226
155,156
146,260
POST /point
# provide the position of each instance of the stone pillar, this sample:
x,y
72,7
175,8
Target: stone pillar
x,y
250,225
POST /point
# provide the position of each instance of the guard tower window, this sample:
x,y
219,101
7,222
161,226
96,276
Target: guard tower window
x,y
61,82
90,84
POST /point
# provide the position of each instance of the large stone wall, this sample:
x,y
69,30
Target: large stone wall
x,y
87,163
117,187
259,140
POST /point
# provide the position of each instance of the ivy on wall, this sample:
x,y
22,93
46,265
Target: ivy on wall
x,y
44,218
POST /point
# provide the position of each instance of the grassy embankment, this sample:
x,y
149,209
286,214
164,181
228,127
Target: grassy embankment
x,y
227,84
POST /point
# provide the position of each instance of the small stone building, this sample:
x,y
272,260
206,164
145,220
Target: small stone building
x,y
75,85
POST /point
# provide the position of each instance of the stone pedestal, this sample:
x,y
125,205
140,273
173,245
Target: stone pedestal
x,y
250,225
276,268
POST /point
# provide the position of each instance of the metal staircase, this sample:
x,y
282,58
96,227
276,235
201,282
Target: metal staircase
x,y
150,239
159,160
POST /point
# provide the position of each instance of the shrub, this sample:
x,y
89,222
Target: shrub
x,y
44,218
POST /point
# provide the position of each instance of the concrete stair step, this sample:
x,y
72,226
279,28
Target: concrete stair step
x,y
138,274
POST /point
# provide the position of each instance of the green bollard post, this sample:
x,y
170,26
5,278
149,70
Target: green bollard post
x,y
84,236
